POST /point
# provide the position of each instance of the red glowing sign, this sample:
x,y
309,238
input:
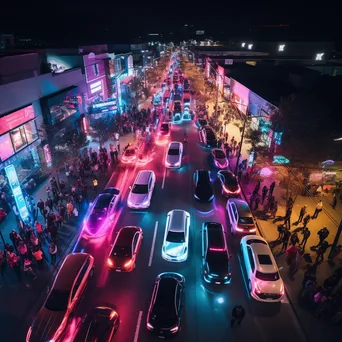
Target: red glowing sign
x,y
16,118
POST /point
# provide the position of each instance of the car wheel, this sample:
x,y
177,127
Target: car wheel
x,y
250,286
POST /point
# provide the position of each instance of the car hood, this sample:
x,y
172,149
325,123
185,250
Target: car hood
x,y
174,249
137,199
220,269
120,261
272,287
95,222
172,160
46,324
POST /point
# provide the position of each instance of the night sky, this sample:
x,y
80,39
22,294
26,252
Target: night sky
x,y
121,20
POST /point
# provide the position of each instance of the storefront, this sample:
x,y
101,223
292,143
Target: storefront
x,y
19,141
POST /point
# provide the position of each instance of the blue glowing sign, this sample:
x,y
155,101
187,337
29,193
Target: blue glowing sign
x,y
16,190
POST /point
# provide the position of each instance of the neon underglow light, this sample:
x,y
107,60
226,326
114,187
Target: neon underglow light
x,y
16,191
231,192
213,249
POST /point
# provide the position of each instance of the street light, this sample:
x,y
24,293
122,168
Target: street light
x,y
281,47
338,139
319,56
243,45
250,46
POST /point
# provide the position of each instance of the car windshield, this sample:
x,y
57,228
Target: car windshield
x,y
246,220
164,127
130,152
177,237
58,300
173,152
230,180
267,276
219,154
140,189
122,251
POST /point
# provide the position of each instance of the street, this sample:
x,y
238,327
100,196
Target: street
x,y
207,309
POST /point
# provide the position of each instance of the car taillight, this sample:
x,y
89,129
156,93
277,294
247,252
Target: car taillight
x,y
239,229
110,262
128,263
253,230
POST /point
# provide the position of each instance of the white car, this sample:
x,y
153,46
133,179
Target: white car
x,y
141,191
240,217
174,155
176,237
264,282
219,157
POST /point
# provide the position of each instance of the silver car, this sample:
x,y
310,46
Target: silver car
x,y
174,155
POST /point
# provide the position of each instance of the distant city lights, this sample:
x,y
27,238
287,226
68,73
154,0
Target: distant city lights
x,y
281,47
243,44
250,46
319,56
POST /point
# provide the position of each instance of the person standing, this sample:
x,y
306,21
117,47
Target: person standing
x,y
53,252
306,220
285,240
272,186
302,213
322,234
306,234
264,194
319,208
287,219
38,255
334,201
238,314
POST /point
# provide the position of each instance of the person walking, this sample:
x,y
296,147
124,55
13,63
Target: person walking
x,y
319,208
322,234
287,219
285,240
302,213
38,255
274,210
306,234
272,186
53,252
334,201
238,314
14,263
306,220
321,251
264,194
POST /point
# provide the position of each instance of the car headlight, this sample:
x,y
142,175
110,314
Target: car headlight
x,y
146,202
149,326
174,329
177,164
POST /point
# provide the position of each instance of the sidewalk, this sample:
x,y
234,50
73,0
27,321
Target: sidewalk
x,y
17,299
314,328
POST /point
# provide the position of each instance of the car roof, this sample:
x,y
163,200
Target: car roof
x,y
242,207
262,249
215,235
69,270
166,286
103,200
125,235
203,175
177,220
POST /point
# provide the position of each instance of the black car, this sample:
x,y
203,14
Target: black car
x,y
215,255
99,326
163,317
164,129
203,187
178,107
229,183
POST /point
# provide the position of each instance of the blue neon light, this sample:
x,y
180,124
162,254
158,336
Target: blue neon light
x,y
16,190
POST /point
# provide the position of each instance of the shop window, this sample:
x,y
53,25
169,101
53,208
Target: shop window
x,y
96,69
26,163
18,138
6,149
31,132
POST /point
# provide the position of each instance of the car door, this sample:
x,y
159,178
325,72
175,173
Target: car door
x,y
251,263
135,245
235,215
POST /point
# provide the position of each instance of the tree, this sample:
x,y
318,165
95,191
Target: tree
x,y
102,129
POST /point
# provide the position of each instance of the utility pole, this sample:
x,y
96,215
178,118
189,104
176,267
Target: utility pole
x,y
334,244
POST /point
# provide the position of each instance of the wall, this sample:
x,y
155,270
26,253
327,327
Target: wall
x,y
93,48
18,94
64,62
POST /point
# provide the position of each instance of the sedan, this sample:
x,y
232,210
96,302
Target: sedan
x,y
163,317
219,157
174,155
101,213
100,325
130,155
229,183
125,249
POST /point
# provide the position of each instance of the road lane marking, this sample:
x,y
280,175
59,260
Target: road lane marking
x,y
153,243
164,176
137,329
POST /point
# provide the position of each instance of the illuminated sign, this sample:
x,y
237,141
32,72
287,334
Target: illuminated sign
x,y
96,87
47,155
253,63
228,61
280,160
16,190
104,104
16,118
199,32
6,149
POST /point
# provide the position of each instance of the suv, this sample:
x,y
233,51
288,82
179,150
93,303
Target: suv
x,y
123,254
208,137
176,237
215,255
141,191
240,217
203,187
264,282
63,298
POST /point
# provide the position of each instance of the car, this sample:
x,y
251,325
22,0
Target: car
x,y
240,217
229,183
203,188
186,116
264,281
208,137
125,249
130,155
176,237
201,123
177,107
165,129
215,256
100,324
101,213
219,157
174,155
140,193
177,118
163,317
63,298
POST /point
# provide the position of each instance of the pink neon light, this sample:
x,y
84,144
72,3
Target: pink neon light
x,y
217,249
231,192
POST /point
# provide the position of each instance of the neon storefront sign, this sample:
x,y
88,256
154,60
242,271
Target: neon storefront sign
x,y
16,190
104,104
16,118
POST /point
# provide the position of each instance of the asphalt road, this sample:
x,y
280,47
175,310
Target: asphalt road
x,y
207,309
